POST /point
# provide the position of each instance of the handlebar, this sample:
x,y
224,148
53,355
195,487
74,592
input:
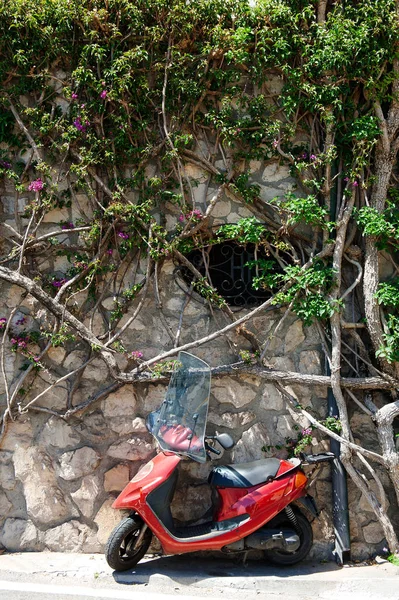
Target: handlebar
x,y
313,459
210,448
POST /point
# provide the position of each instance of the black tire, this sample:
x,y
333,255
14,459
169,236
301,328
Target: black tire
x,y
120,551
286,559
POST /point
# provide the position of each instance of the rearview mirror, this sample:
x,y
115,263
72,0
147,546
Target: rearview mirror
x,y
225,440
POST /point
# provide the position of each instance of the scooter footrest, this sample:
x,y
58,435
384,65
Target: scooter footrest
x,y
194,530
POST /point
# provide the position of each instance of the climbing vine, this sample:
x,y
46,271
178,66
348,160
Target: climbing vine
x,y
106,110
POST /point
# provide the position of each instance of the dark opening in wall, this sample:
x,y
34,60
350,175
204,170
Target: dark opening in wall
x,y
226,267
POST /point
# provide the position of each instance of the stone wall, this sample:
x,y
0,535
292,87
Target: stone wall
x,y
59,477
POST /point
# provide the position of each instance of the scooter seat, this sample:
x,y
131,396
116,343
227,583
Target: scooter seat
x,y
245,474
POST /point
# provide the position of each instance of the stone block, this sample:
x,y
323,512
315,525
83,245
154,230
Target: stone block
x,y
7,477
373,533
221,210
122,403
154,397
274,172
271,398
106,520
116,478
58,434
86,496
18,535
232,391
309,362
5,505
284,427
78,463
232,420
71,537
45,502
250,446
19,434
134,449
294,336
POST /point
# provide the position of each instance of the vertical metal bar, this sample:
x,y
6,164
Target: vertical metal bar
x,y
340,506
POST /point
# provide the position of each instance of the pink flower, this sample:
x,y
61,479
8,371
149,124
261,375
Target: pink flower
x,y
181,218
103,94
110,251
103,83
307,431
194,215
136,354
36,186
123,235
74,96
14,341
355,183
313,157
275,143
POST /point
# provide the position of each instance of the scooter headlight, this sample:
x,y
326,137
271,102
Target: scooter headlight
x,y
143,472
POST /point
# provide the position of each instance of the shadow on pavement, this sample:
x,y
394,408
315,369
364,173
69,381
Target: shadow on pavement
x,y
191,568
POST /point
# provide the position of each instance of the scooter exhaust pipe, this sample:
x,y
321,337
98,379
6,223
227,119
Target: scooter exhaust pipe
x,y
267,539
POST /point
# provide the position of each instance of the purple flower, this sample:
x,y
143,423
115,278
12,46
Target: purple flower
x,y
78,124
3,322
123,235
346,179
103,94
20,321
5,164
22,344
306,431
74,96
59,283
136,354
36,358
304,155
36,186
110,251
67,226
14,341
313,157
355,183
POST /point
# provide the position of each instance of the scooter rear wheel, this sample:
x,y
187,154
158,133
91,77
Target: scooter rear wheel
x,y
121,551
286,559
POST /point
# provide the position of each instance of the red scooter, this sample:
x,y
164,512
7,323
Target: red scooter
x,y
254,505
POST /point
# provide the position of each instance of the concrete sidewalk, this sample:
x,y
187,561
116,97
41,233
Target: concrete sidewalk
x,y
197,576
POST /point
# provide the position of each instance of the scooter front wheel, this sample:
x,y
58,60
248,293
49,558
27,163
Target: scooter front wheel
x,y
121,551
285,559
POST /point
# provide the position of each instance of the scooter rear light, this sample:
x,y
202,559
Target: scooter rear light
x,y
143,472
300,479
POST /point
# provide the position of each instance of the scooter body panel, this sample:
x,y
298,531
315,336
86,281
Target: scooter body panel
x,y
258,503
149,477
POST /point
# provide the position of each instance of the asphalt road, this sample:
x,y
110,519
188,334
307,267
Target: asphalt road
x,y
55,576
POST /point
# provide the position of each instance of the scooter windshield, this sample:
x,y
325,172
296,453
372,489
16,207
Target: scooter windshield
x,y
179,424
